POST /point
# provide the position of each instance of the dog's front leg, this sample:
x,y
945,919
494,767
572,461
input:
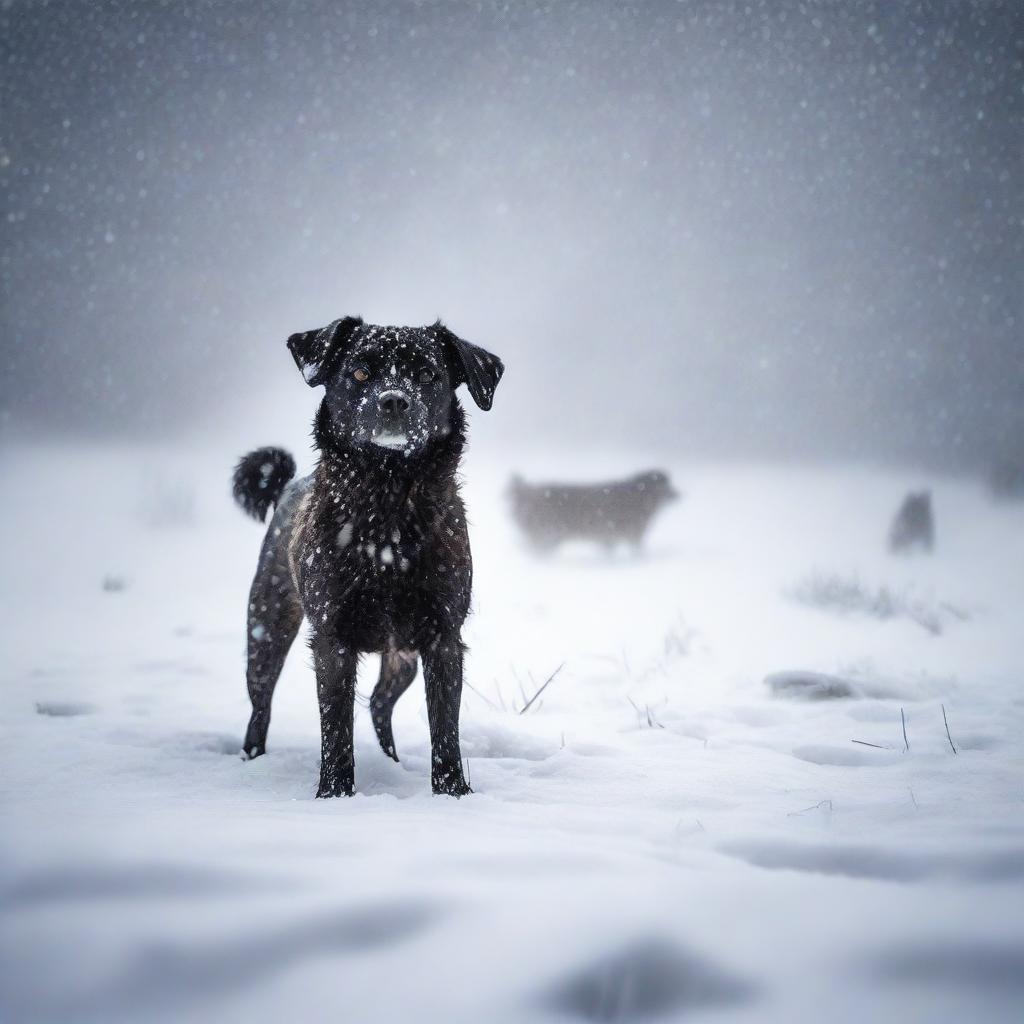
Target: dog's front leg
x,y
336,689
442,671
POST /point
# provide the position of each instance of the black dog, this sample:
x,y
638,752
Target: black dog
x,y
618,511
372,547
914,525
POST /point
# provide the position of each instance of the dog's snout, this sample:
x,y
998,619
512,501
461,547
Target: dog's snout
x,y
393,403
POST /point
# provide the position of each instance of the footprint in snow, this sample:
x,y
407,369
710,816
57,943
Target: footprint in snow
x,y
996,969
854,756
649,979
63,708
863,861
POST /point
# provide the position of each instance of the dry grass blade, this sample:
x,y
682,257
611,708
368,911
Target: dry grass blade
x,y
877,746
948,737
821,805
652,719
906,742
544,686
485,699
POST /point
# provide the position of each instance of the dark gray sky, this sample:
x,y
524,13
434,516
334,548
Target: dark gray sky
x,y
745,228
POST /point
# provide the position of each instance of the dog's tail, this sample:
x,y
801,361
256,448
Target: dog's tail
x,y
260,478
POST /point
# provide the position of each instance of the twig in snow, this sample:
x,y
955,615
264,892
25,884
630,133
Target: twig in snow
x,y
906,742
647,713
486,700
948,737
542,689
522,693
820,805
877,746
519,683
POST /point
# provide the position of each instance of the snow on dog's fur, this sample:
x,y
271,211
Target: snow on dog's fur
x,y
372,547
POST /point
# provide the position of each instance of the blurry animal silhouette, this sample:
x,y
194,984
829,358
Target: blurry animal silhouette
x,y
914,525
1006,481
607,513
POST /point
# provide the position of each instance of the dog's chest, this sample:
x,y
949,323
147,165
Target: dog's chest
x,y
372,569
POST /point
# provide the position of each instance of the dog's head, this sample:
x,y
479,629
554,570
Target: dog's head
x,y
917,507
393,387
657,485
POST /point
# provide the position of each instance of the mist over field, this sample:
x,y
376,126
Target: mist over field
x,y
772,228
742,711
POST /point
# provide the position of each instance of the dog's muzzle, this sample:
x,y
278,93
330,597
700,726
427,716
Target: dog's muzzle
x,y
393,406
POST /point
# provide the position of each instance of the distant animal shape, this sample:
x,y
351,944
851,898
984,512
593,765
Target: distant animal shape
x,y
1006,481
620,510
914,525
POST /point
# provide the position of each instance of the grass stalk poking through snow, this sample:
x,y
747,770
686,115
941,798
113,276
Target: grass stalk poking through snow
x,y
543,687
948,737
484,698
821,805
648,714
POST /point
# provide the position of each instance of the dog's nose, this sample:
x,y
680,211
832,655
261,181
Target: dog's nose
x,y
393,403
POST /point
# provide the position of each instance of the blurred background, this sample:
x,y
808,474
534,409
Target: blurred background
x,y
759,762
716,228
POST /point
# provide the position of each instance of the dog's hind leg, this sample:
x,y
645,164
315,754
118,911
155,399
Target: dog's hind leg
x,y
397,671
275,616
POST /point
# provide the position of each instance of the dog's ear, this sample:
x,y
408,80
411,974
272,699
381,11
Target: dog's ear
x,y
471,365
315,352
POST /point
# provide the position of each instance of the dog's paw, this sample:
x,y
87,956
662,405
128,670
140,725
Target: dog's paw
x,y
334,787
450,784
328,794
252,752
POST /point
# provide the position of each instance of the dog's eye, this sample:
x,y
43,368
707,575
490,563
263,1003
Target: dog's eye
x,y
361,374
426,376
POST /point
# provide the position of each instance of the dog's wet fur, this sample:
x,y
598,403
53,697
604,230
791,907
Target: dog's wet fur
x,y
372,547
913,527
608,513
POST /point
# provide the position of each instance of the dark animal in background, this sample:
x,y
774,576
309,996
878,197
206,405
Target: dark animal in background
x,y
372,547
1006,481
607,513
914,525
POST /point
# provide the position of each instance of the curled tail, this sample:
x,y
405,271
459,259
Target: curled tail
x,y
260,478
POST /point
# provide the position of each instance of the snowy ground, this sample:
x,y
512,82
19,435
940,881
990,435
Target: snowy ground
x,y
720,852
